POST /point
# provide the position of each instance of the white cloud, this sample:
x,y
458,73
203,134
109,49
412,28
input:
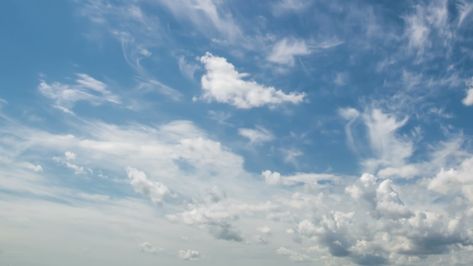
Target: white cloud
x,y
404,171
285,51
428,22
291,155
370,220
33,167
388,150
70,156
153,85
189,254
388,147
223,83
388,202
140,182
257,135
208,16
275,178
468,100
86,88
454,181
69,161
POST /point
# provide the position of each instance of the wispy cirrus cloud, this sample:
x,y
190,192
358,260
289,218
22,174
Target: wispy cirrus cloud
x,y
86,88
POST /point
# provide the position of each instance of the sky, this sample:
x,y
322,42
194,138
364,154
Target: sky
x,y
212,132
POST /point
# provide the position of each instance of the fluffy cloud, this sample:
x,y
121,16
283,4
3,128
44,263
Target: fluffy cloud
x,y
377,221
453,181
86,88
223,83
154,190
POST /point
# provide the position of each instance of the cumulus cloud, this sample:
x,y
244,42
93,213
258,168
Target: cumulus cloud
x,y
189,254
140,182
455,180
256,135
388,202
85,88
223,83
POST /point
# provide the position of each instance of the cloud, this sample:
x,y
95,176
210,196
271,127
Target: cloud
x,y
455,181
286,6
292,254
147,247
388,148
388,202
257,135
68,160
263,235
207,16
187,68
468,100
378,142
34,167
285,51
86,88
434,24
154,190
275,178
223,83
153,85
189,254
370,220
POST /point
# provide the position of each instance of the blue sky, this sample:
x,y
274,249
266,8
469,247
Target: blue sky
x,y
206,132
